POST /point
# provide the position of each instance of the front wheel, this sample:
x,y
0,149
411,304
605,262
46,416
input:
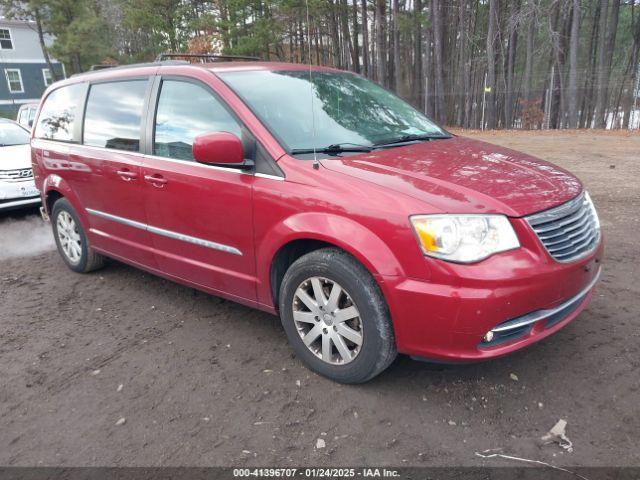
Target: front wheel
x,y
335,317
71,240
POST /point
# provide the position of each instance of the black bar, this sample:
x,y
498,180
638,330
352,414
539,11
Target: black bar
x,y
211,56
319,473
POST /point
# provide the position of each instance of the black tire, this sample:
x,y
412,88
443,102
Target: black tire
x,y
377,350
88,260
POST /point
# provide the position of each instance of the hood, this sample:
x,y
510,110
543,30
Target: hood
x,y
15,157
460,175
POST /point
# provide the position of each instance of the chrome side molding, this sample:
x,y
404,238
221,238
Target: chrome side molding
x,y
166,233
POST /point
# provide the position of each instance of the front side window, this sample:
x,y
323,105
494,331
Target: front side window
x,y
6,43
14,80
331,108
186,110
59,113
12,134
113,115
46,75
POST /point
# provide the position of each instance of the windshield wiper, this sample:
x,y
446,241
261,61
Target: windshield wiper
x,y
409,138
333,149
354,147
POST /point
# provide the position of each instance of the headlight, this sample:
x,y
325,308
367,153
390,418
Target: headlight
x,y
464,238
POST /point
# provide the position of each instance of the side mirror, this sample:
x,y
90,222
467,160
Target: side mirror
x,y
220,148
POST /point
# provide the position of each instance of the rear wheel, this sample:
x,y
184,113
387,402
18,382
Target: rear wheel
x,y
71,240
335,317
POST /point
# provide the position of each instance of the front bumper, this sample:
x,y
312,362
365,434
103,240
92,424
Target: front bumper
x,y
446,319
18,195
538,321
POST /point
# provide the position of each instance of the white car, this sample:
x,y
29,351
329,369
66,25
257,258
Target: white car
x,y
17,188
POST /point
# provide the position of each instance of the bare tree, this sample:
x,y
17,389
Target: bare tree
x,y
491,64
511,60
436,15
601,94
365,38
573,65
355,32
632,75
418,74
396,49
381,54
528,68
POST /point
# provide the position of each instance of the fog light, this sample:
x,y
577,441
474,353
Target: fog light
x,y
487,337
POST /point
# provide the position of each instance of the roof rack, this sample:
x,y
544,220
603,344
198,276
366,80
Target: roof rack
x,y
130,65
204,56
101,66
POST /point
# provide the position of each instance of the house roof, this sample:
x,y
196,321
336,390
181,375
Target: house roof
x,y
10,22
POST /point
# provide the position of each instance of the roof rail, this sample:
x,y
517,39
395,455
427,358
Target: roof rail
x,y
204,56
131,65
101,66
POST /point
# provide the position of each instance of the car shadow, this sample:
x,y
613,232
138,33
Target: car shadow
x,y
404,370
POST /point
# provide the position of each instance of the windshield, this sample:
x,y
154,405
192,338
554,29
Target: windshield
x,y
347,109
12,134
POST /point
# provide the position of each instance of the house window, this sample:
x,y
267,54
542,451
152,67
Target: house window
x,y
48,79
14,80
5,39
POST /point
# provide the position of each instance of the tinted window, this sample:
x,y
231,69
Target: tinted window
x,y
112,118
186,110
59,112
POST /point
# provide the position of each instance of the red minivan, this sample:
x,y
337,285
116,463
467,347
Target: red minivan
x,y
317,195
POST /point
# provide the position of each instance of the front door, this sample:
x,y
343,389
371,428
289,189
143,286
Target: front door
x,y
199,216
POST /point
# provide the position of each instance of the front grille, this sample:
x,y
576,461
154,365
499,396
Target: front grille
x,y
17,175
570,231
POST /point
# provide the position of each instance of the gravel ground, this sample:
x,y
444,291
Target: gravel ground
x,y
202,381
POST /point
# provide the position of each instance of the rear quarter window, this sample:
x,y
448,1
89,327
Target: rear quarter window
x,y
59,113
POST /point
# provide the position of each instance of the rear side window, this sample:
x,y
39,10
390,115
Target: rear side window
x,y
113,114
186,110
59,113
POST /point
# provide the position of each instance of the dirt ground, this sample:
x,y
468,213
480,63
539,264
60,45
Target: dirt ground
x,y
205,382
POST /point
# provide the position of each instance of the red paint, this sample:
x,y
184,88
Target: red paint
x,y
221,148
359,203
461,175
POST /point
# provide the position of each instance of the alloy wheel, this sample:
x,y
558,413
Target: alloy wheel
x,y
69,237
327,320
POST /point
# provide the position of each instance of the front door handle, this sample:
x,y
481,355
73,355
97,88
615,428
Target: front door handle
x,y
156,180
127,175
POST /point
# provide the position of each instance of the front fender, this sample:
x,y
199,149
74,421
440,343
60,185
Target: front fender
x,y
337,230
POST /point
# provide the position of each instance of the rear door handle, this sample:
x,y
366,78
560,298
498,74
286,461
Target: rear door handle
x,y
156,180
127,175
